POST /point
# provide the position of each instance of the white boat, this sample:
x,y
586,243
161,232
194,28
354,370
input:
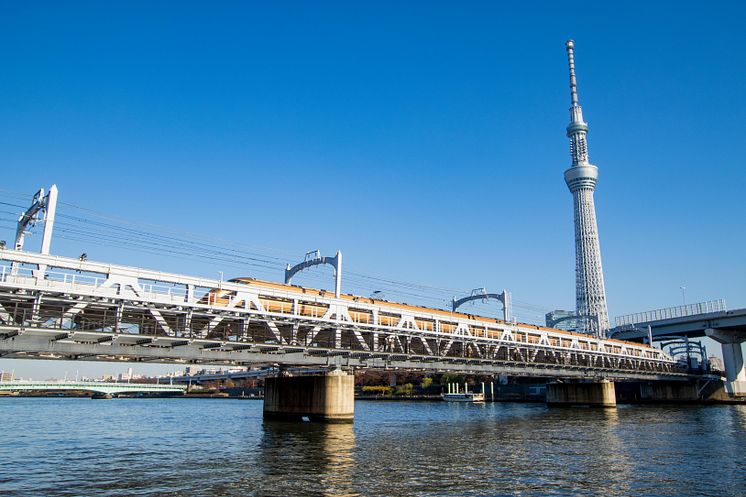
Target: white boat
x,y
463,397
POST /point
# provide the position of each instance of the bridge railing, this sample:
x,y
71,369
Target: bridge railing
x,y
672,312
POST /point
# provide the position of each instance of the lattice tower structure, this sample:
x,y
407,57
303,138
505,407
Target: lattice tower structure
x,y
581,179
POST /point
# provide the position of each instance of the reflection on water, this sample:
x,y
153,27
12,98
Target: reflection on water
x,y
613,460
739,416
222,448
307,457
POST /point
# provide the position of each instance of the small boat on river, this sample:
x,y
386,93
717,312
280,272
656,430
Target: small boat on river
x,y
463,397
454,395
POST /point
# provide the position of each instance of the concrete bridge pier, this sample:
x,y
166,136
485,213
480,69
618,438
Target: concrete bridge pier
x,y
594,394
735,373
326,398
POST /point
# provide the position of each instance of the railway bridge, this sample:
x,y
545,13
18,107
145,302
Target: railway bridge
x,y
54,307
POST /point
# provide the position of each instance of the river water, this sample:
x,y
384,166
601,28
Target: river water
x,y
218,447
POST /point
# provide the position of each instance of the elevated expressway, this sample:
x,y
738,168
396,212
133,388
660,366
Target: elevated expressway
x,y
707,319
62,308
683,324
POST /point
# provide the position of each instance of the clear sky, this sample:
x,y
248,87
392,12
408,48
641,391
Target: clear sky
x,y
424,139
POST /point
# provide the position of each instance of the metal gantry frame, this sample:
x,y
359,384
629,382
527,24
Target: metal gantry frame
x,y
41,203
43,208
483,295
683,346
314,258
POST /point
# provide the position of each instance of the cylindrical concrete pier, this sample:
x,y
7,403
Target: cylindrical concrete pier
x,y
597,394
327,398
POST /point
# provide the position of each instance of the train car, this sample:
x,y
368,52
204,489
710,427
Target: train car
x,y
279,298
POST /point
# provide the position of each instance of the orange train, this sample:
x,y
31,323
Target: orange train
x,y
278,298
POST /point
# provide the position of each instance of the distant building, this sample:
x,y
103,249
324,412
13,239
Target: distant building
x,y
126,376
562,320
6,375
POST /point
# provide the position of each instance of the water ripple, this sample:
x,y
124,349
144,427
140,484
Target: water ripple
x,y
222,448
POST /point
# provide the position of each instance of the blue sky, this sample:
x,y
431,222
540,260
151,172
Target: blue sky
x,y
426,140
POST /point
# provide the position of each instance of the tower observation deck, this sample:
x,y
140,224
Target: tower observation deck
x,y
581,179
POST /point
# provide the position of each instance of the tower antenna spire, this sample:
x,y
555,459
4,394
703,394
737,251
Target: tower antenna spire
x,y
590,294
570,45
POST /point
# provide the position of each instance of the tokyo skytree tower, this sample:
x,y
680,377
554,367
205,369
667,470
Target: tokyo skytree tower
x,y
581,179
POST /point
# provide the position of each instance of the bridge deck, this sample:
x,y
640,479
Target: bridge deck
x,y
91,386
692,326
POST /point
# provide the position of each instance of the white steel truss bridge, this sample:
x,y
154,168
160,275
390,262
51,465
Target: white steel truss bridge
x,y
102,387
62,308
